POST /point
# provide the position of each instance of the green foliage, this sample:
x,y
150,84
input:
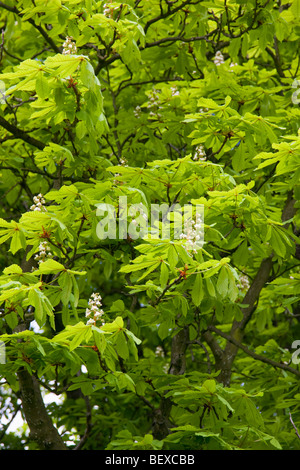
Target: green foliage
x,y
186,102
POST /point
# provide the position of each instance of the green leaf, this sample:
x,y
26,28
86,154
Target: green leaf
x,y
99,339
13,269
42,87
39,312
197,291
50,266
121,345
222,283
277,242
210,386
210,287
164,275
81,336
295,8
17,242
63,65
172,257
66,283
133,337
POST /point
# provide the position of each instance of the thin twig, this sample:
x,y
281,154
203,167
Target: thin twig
x,y
88,424
294,426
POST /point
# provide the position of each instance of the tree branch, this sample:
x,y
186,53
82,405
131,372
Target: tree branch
x,y
88,424
169,12
20,134
294,426
42,430
250,299
255,356
36,26
161,424
276,58
41,427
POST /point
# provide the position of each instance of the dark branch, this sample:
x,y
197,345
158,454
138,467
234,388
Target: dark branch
x,y
20,134
47,38
255,356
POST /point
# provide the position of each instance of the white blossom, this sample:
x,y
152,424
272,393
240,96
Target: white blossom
x,y
38,205
137,112
153,99
69,46
175,91
244,283
94,312
193,234
123,162
218,59
44,253
200,153
232,65
159,352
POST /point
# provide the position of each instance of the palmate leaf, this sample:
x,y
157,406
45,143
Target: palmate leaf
x,y
64,65
197,291
74,335
222,283
139,265
42,307
28,69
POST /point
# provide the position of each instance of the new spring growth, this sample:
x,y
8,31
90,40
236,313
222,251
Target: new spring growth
x,y
94,312
108,9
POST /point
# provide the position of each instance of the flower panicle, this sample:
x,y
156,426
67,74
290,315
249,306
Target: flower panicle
x,y
94,311
44,253
193,234
69,46
38,204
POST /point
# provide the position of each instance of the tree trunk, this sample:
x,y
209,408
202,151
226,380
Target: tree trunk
x,y
42,430
224,361
40,424
161,424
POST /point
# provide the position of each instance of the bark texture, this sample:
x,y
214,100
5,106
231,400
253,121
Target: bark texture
x,y
224,358
161,423
42,430
40,424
